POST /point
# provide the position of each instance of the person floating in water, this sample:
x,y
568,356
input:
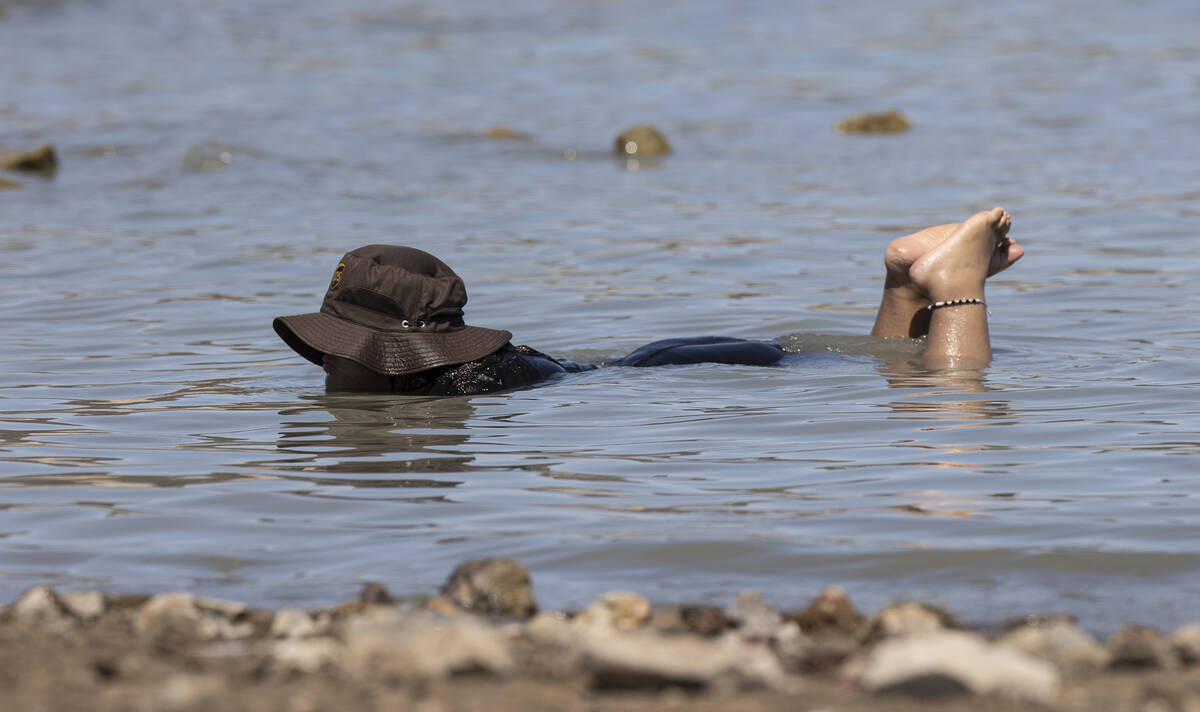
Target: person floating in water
x,y
392,318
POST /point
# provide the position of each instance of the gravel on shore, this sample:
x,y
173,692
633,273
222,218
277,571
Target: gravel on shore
x,y
482,643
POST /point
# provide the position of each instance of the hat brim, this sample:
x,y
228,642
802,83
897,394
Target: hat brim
x,y
393,353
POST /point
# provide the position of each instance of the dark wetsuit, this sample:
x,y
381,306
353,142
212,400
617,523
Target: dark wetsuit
x,y
519,366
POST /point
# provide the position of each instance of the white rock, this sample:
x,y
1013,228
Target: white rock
x,y
1187,643
756,618
306,655
40,606
85,605
412,646
293,623
616,610
180,613
906,618
644,658
1060,642
940,663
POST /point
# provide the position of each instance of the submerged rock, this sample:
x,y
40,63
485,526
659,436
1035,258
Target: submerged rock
x,y
492,587
641,140
947,663
874,122
6,184
504,133
42,159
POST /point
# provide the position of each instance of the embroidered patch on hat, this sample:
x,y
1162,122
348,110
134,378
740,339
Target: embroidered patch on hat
x,y
337,275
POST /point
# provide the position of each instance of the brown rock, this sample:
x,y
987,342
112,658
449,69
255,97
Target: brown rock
x,y
42,160
1137,646
697,619
872,122
830,612
908,618
504,133
492,587
375,594
641,140
6,184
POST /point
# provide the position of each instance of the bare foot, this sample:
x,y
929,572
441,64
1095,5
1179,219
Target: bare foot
x,y
957,266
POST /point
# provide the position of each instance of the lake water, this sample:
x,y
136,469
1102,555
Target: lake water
x,y
217,158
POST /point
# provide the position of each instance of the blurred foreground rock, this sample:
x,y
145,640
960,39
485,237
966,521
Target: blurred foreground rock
x,y
481,645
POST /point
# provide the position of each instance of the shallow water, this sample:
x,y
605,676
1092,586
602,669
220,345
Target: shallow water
x,y
218,158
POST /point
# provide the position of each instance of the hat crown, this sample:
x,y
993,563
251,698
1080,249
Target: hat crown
x,y
394,287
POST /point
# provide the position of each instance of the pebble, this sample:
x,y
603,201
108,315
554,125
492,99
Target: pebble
x,y
1138,646
945,663
498,588
888,122
1060,641
641,140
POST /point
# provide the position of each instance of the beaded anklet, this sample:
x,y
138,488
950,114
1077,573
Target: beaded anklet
x,y
956,303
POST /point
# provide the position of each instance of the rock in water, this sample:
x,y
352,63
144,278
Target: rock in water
x,y
642,140
42,159
498,588
875,122
500,132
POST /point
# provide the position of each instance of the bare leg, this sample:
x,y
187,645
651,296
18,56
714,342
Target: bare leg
x,y
956,268
902,310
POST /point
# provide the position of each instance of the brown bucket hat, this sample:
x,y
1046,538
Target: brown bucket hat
x,y
395,310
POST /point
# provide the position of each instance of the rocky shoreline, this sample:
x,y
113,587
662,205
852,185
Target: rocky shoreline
x,y
481,642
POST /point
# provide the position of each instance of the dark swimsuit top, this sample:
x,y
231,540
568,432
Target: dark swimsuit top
x,y
520,366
